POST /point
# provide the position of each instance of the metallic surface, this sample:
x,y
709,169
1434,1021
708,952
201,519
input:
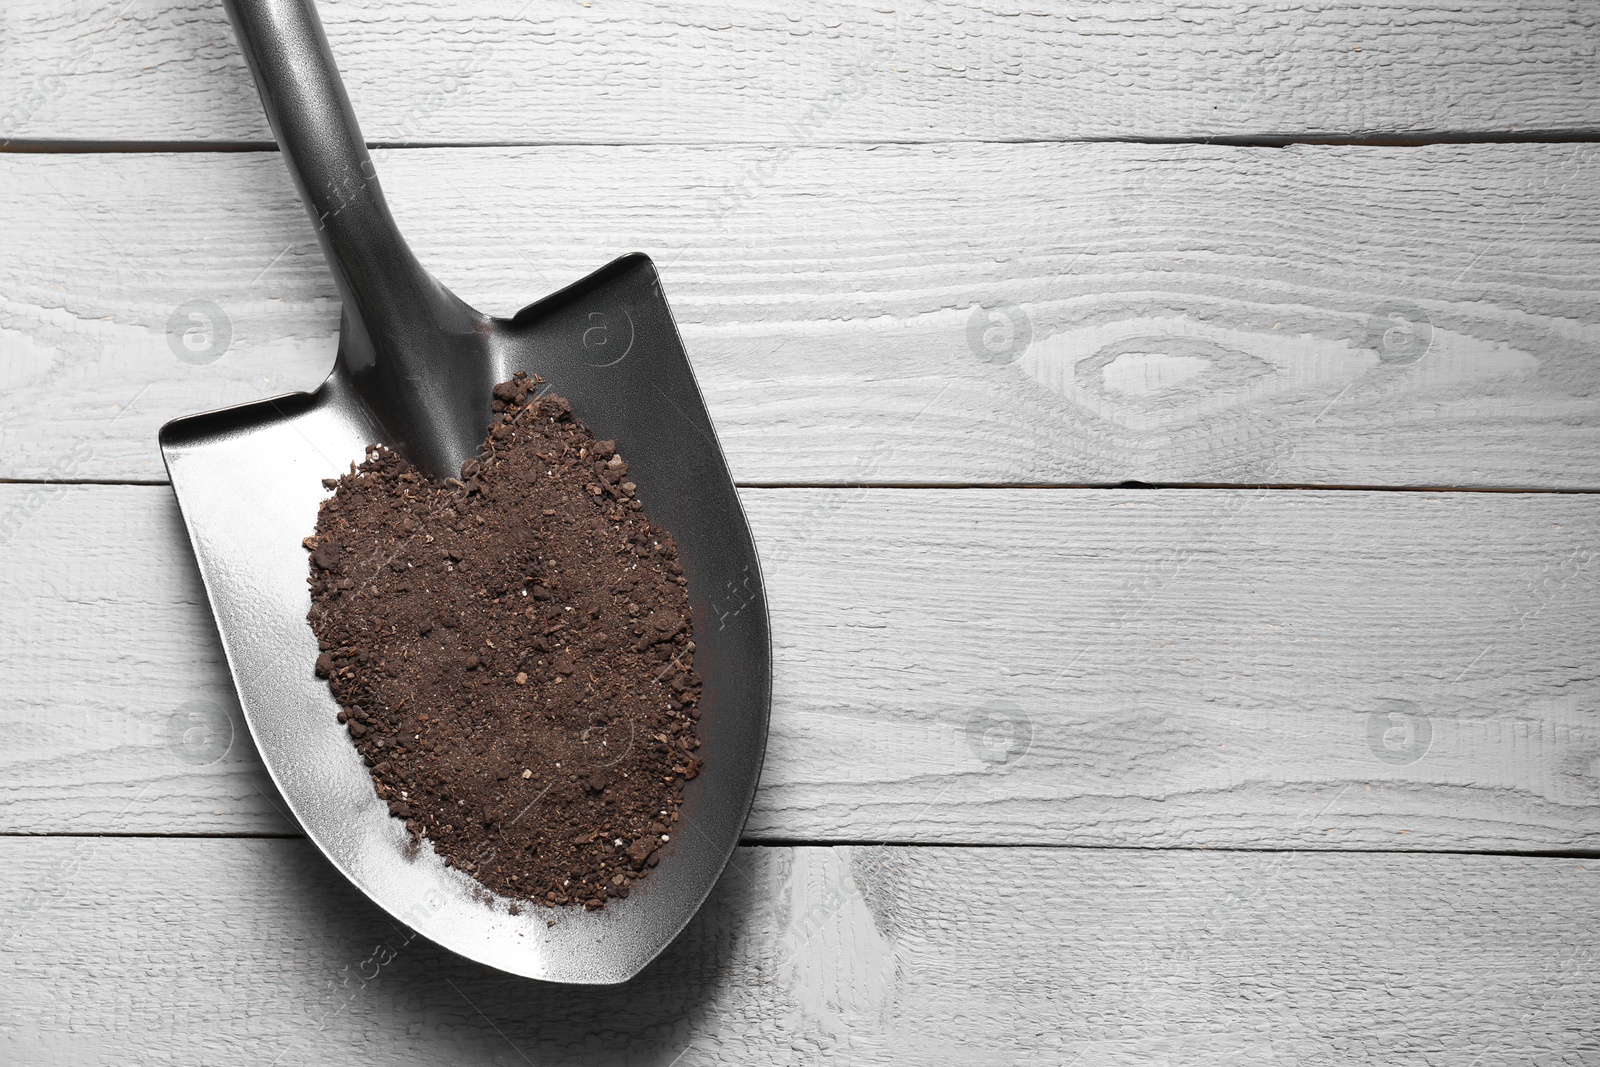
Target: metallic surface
x,y
414,370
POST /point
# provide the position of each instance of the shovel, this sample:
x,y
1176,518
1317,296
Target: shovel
x,y
414,372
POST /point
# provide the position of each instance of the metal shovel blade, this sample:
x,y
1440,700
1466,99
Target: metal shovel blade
x,y
413,373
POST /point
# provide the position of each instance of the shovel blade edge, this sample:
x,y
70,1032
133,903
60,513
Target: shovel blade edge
x,y
249,481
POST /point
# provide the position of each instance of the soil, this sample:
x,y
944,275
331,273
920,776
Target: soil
x,y
512,654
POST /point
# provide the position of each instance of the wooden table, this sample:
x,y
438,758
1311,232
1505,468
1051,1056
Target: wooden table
x,y
1171,431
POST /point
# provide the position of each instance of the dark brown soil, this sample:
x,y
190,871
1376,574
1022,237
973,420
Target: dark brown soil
x,y
512,654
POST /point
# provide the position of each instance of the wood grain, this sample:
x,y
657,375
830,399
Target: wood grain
x,y
808,72
1192,314
248,952
1190,668
1363,677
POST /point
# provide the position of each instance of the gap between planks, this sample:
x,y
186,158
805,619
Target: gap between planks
x,y
803,842
64,146
1286,487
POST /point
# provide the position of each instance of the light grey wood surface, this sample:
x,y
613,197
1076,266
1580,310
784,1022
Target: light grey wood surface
x,y
1162,668
254,952
1284,720
526,71
1192,313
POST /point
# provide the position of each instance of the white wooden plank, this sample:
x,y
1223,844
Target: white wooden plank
x,y
1189,668
1196,314
226,952
757,70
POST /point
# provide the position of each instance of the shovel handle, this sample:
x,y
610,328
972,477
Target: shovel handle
x,y
395,314
304,98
